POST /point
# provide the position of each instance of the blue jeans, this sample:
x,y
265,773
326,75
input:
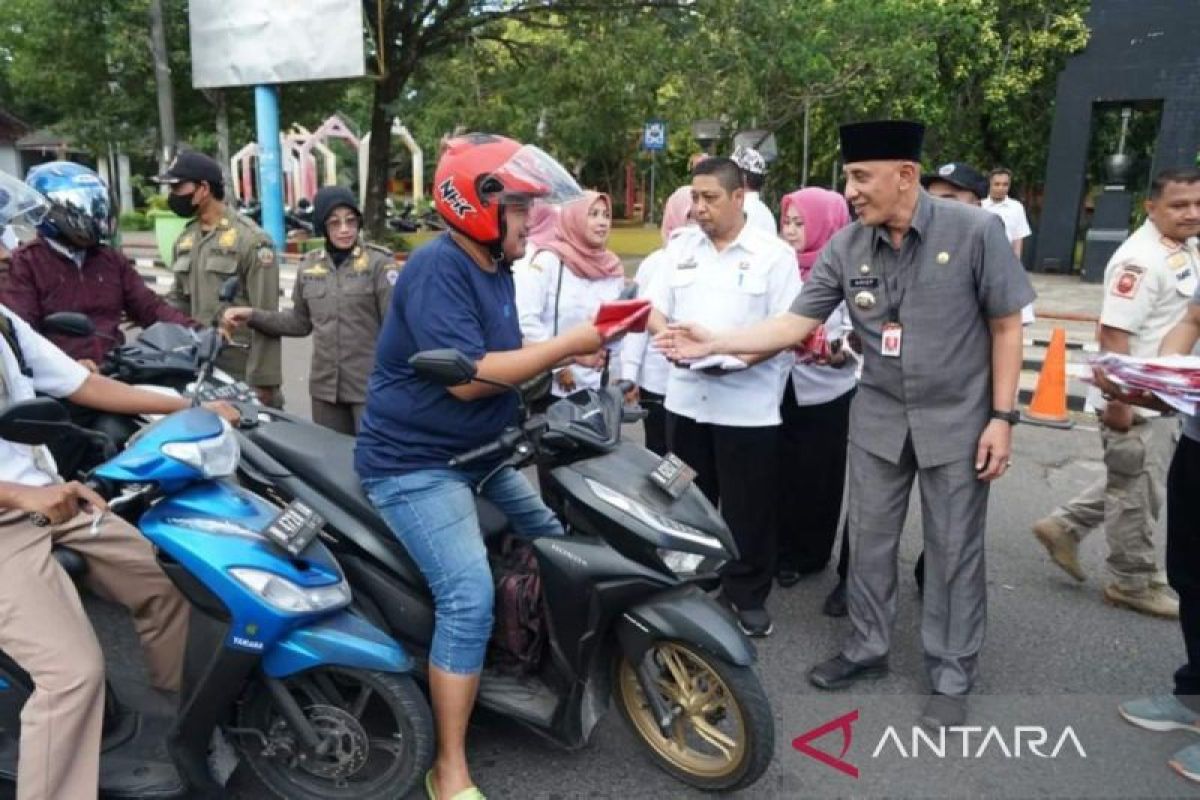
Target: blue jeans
x,y
432,513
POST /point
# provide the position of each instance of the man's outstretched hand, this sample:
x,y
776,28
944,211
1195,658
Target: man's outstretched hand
x,y
685,341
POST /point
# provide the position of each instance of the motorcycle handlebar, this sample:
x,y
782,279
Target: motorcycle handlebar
x,y
506,441
479,452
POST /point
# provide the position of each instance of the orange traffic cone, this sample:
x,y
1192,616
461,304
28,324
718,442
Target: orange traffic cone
x,y
1049,403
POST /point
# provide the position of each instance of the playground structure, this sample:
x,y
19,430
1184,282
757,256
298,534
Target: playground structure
x,y
304,173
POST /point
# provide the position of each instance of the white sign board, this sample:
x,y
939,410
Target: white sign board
x,y
252,42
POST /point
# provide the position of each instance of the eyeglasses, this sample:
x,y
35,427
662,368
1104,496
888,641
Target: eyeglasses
x,y
348,223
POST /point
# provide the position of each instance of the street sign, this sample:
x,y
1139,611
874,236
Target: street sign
x,y
654,135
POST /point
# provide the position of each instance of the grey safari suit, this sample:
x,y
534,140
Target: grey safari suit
x,y
343,308
921,414
203,260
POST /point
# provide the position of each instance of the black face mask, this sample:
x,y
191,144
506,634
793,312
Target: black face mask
x,y
181,204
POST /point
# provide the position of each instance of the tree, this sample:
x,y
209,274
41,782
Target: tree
x,y
568,89
405,33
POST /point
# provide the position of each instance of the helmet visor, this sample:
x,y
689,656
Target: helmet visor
x,y
20,204
530,173
85,214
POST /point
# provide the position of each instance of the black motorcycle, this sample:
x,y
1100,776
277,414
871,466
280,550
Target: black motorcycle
x,y
625,591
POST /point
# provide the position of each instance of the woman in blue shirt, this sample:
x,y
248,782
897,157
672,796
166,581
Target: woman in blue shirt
x,y
457,292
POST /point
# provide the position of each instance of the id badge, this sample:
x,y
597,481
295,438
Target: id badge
x,y
893,335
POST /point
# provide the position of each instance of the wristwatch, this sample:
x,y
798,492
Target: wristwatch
x,y
1011,417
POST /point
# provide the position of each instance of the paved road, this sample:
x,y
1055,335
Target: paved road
x,y
1055,657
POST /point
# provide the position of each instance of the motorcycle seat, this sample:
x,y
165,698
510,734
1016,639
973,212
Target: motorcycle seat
x,y
325,459
72,563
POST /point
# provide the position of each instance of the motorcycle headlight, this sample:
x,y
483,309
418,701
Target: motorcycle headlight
x,y
674,531
286,596
679,562
215,457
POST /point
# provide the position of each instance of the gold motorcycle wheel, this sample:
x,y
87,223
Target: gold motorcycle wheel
x,y
722,734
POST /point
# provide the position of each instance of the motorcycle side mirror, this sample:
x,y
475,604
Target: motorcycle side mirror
x,y
446,367
34,422
229,289
630,292
69,323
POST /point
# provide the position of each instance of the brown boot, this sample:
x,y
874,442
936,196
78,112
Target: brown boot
x,y
1155,602
1055,536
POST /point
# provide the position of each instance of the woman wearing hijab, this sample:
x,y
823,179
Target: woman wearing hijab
x,y
341,295
642,363
816,402
563,280
543,222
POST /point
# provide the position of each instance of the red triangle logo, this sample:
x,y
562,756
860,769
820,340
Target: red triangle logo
x,y
844,723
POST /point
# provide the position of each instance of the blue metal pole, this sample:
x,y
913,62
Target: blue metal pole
x,y
270,173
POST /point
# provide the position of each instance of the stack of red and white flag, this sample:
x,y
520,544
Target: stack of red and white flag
x,y
1173,379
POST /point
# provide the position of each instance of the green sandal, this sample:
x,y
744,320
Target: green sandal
x,y
472,793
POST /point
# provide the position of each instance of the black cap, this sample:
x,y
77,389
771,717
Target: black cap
x,y
882,140
192,166
326,200
960,175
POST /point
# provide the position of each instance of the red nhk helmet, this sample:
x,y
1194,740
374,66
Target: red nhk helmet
x,y
478,173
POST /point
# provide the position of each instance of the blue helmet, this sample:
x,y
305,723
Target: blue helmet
x,y
80,213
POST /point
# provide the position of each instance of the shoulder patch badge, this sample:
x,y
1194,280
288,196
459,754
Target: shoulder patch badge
x,y
393,275
1127,282
266,255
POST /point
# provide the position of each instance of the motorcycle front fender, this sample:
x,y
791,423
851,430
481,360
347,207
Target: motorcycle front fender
x,y
687,615
343,640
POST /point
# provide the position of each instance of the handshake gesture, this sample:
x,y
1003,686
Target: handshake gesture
x,y
685,341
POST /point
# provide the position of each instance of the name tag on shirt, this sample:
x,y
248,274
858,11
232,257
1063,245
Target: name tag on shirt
x,y
893,335
864,283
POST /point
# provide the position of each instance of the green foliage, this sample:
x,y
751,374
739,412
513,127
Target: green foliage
x,y
579,77
980,73
135,221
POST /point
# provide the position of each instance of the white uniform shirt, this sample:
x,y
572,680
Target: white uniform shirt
x,y
1016,227
753,278
1016,224
55,374
641,361
813,384
1148,284
758,215
578,299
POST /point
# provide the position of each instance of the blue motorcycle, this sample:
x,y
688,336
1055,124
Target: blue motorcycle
x,y
314,699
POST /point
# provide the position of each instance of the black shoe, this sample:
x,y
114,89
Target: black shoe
x,y
944,711
787,578
835,603
839,672
755,622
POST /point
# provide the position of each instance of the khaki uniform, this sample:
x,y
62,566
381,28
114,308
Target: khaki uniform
x,y
203,260
1148,284
44,627
343,308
